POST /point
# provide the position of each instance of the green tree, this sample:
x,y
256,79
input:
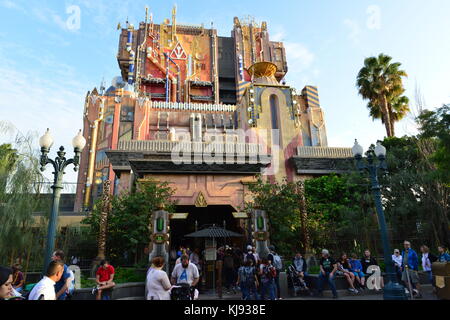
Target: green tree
x,y
380,82
435,127
128,222
281,201
340,212
20,188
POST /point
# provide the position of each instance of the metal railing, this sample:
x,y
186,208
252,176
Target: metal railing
x,y
192,106
324,152
166,146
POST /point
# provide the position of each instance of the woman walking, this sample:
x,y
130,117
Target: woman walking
x,y
158,284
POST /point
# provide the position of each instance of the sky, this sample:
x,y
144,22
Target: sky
x,y
53,52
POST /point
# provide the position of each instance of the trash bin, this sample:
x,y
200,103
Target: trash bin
x,y
441,275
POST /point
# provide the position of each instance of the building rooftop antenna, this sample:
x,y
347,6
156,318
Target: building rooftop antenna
x,y
102,86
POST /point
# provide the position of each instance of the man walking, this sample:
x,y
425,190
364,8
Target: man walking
x,y
410,268
45,289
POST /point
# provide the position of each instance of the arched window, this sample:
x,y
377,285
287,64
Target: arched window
x,y
274,111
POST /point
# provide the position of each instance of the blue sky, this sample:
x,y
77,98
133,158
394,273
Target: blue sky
x,y
48,62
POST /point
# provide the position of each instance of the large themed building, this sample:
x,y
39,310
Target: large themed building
x,y
204,113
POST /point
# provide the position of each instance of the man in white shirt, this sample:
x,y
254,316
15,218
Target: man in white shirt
x,y
185,272
46,287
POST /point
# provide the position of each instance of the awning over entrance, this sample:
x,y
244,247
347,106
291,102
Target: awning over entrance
x,y
213,232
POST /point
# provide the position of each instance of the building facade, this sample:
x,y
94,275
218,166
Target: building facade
x,y
204,113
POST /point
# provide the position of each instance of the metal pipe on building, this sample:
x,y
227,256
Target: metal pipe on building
x,y
92,153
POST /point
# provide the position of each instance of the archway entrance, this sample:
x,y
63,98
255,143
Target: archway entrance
x,y
199,218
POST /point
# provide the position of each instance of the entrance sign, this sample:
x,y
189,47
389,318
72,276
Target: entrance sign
x,y
240,215
210,250
210,254
178,215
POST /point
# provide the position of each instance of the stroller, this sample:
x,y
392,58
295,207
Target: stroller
x,y
298,284
182,291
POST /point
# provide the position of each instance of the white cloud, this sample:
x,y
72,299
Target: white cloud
x,y
300,61
10,5
33,100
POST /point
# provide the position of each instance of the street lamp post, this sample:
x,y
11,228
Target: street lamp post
x,y
392,290
59,165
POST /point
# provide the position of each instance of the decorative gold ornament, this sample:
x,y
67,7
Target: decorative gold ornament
x,y
201,201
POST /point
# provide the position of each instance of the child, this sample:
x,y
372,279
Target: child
x,y
355,263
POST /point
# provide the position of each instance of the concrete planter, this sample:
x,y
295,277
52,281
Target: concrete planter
x,y
120,291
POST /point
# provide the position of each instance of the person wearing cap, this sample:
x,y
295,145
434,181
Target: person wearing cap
x,y
328,267
397,261
6,280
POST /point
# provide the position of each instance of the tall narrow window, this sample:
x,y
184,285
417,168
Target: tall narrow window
x,y
274,111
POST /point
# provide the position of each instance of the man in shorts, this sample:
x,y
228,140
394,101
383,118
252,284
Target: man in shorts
x,y
104,278
410,268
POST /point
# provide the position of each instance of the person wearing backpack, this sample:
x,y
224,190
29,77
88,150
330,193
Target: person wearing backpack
x,y
268,274
247,280
276,262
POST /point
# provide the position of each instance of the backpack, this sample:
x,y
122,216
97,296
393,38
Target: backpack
x,y
269,273
277,261
247,275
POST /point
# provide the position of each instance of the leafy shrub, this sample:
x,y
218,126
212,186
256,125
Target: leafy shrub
x,y
123,275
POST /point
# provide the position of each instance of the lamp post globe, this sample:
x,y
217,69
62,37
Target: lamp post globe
x,y
79,142
46,141
357,149
380,150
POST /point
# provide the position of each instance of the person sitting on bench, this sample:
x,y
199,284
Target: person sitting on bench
x,y
104,278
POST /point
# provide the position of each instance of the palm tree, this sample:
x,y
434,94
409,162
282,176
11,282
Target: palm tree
x,y
380,82
398,109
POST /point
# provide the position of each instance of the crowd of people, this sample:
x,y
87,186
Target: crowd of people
x,y
356,271
256,278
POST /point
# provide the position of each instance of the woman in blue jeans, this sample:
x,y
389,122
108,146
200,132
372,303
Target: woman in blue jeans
x,y
248,281
268,274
